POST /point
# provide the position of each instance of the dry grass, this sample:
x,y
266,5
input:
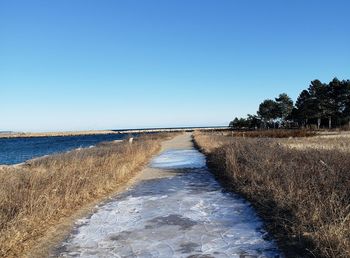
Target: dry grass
x,y
277,133
339,142
303,195
36,195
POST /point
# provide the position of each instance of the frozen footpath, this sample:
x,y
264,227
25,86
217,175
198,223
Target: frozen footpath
x,y
175,209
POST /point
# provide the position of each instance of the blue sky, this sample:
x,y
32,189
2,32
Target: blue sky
x,y
83,64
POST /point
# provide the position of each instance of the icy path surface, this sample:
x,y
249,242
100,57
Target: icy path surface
x,y
186,214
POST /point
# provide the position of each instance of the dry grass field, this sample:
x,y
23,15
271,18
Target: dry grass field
x,y
339,142
272,133
36,195
299,186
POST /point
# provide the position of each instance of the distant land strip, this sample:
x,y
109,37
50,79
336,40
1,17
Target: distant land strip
x,y
9,134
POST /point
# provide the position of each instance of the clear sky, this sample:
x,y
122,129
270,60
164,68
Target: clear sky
x,y
83,64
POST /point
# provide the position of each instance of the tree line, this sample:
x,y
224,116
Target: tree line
x,y
320,105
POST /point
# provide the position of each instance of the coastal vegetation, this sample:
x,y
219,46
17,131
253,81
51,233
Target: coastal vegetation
x,y
273,133
320,105
299,186
35,196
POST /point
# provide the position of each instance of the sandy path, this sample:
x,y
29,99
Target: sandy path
x,y
176,209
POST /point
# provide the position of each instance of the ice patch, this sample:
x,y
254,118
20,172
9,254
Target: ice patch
x,y
179,159
186,215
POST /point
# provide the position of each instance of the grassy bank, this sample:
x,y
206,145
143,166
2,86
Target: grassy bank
x,y
302,193
35,196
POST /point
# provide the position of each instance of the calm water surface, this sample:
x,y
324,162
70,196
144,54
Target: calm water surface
x,y
17,150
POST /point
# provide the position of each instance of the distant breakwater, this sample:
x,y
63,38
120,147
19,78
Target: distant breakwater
x,y
8,134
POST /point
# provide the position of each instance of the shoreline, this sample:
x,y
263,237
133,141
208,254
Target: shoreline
x,y
52,154
55,134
